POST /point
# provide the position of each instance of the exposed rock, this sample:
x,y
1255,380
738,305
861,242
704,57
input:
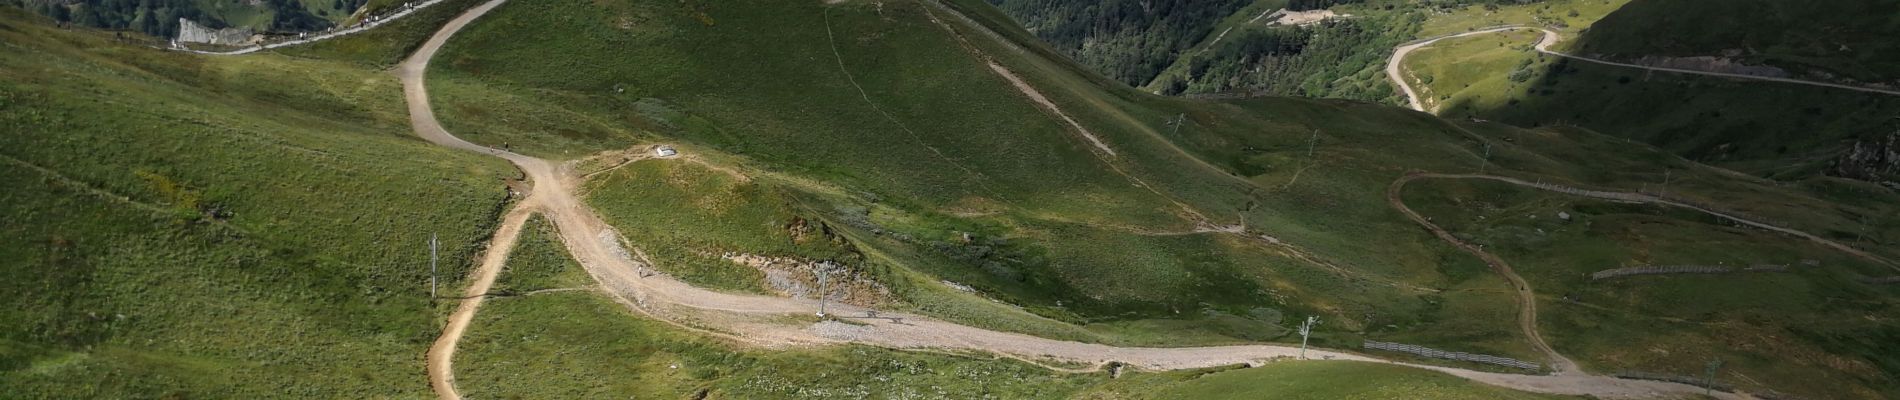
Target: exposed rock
x,y
1712,64
1873,160
191,32
798,278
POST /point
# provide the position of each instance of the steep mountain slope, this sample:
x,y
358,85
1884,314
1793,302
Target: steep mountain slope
x,y
1129,41
1772,129
246,227
1322,48
913,168
1845,40
160,18
938,162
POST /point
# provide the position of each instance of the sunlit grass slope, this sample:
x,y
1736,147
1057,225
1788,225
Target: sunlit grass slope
x,y
181,226
936,145
1814,330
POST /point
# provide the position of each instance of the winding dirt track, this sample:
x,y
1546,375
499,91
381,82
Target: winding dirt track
x,y
1393,69
1526,297
754,319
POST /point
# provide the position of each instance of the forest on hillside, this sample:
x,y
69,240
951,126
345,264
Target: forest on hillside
x,y
1159,45
159,18
1127,40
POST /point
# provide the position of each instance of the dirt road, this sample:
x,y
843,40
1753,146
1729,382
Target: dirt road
x,y
756,319
1526,298
441,377
1394,71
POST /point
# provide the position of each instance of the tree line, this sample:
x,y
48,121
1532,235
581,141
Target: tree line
x,y
159,18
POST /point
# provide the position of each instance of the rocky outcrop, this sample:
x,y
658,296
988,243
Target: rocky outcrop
x,y
1874,159
1712,64
191,32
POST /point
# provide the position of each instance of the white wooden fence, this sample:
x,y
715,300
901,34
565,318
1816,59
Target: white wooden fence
x,y
1683,269
1451,355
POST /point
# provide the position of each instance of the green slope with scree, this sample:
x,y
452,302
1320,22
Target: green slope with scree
x,y
182,226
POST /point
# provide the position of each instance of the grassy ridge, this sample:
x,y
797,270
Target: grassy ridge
x,y
1074,238
1054,236
188,226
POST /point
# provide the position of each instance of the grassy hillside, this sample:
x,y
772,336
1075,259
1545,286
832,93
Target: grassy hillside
x,y
1767,129
1782,331
1056,229
937,146
1844,40
190,227
876,135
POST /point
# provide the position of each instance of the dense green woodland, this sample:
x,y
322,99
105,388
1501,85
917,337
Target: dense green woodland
x,y
1166,48
1126,40
1336,58
159,18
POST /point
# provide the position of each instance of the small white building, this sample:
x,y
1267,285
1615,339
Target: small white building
x,y
664,151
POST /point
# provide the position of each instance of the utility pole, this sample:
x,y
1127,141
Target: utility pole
x,y
824,271
1665,186
1306,329
432,257
1487,158
1177,122
1708,384
1312,143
